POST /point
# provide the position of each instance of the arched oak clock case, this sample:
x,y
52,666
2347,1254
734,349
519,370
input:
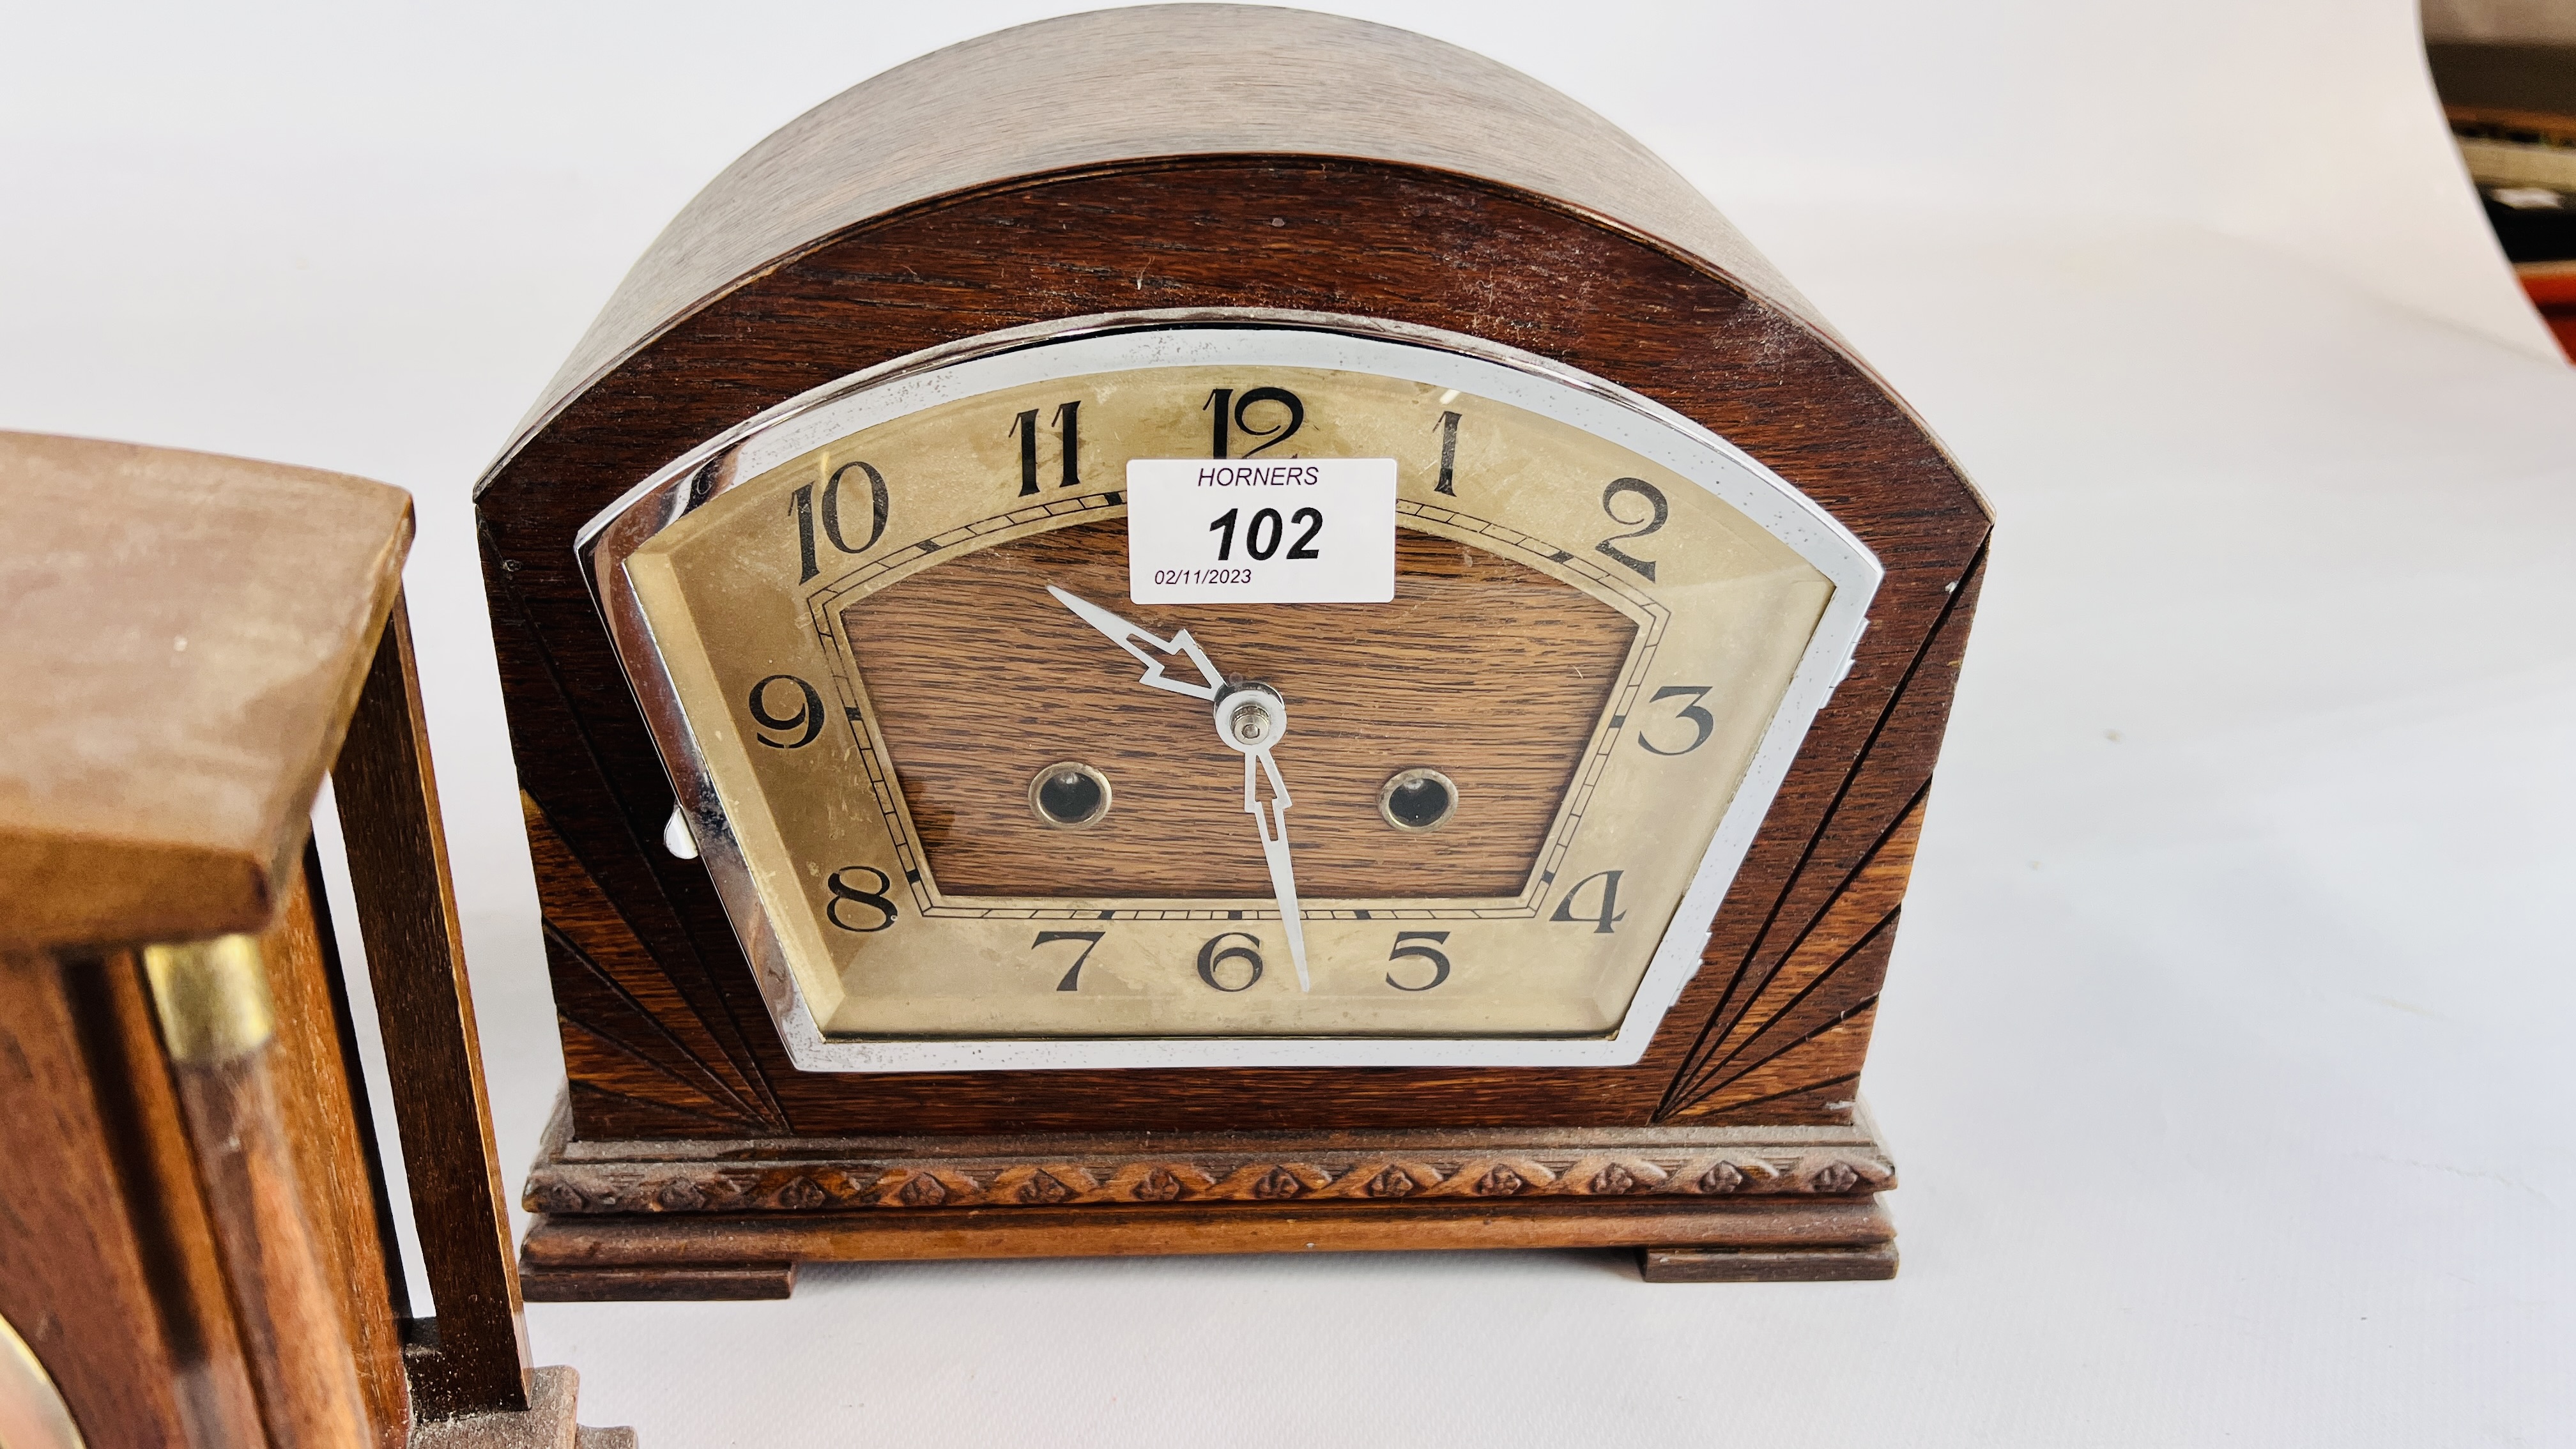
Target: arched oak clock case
x,y
1116,166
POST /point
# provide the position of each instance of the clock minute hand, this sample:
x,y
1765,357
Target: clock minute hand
x,y
1274,850
1123,634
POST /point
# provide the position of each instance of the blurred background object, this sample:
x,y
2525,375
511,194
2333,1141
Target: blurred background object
x,y
2506,73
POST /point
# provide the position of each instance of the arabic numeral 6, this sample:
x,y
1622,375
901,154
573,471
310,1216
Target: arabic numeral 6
x,y
1216,960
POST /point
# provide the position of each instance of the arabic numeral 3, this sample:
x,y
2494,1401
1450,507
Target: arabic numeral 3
x,y
1701,720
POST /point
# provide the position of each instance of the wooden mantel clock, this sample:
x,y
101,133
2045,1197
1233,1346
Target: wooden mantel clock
x,y
1210,629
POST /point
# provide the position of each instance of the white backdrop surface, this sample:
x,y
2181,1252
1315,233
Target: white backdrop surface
x,y
2221,1050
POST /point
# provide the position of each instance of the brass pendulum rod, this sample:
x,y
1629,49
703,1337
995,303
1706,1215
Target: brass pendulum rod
x,y
217,1025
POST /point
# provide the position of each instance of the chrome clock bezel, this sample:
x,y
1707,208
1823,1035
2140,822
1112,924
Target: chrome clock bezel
x,y
1245,337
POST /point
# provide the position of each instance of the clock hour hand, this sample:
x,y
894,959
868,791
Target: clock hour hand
x,y
1124,635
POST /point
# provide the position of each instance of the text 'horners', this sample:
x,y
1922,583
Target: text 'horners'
x,y
1262,475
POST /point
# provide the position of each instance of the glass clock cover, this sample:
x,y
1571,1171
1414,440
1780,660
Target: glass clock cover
x,y
969,807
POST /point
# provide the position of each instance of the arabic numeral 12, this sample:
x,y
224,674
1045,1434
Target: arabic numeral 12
x,y
1232,414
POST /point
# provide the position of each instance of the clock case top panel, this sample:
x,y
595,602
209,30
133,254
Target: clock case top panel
x,y
665,1034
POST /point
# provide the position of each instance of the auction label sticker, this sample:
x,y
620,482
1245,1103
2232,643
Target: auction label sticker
x,y
1254,531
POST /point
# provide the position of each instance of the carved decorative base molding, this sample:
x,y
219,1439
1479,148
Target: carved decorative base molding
x,y
732,1218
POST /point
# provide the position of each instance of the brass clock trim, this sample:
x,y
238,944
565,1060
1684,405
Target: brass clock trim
x,y
1054,774
1241,337
1408,778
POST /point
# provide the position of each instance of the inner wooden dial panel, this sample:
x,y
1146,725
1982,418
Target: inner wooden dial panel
x,y
1486,670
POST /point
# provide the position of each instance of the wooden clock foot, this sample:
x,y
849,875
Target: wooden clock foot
x,y
1869,1263
659,1282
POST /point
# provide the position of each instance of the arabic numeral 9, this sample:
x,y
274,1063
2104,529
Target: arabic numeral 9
x,y
807,718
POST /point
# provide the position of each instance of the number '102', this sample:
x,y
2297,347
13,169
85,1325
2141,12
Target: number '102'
x,y
1261,537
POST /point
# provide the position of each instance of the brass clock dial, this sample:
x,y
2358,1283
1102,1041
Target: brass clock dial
x,y
971,806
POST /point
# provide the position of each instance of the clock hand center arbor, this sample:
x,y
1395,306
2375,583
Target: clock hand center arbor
x,y
1251,717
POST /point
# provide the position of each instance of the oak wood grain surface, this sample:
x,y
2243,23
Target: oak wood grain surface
x,y
108,1265
630,1242
1495,677
288,1313
156,786
1474,245
322,1100
1114,87
1426,249
406,904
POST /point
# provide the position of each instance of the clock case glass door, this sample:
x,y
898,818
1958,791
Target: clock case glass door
x,y
1610,634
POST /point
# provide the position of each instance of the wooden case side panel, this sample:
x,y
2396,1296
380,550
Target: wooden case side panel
x,y
1787,992
405,900
607,888
628,1020
1352,239
107,1264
